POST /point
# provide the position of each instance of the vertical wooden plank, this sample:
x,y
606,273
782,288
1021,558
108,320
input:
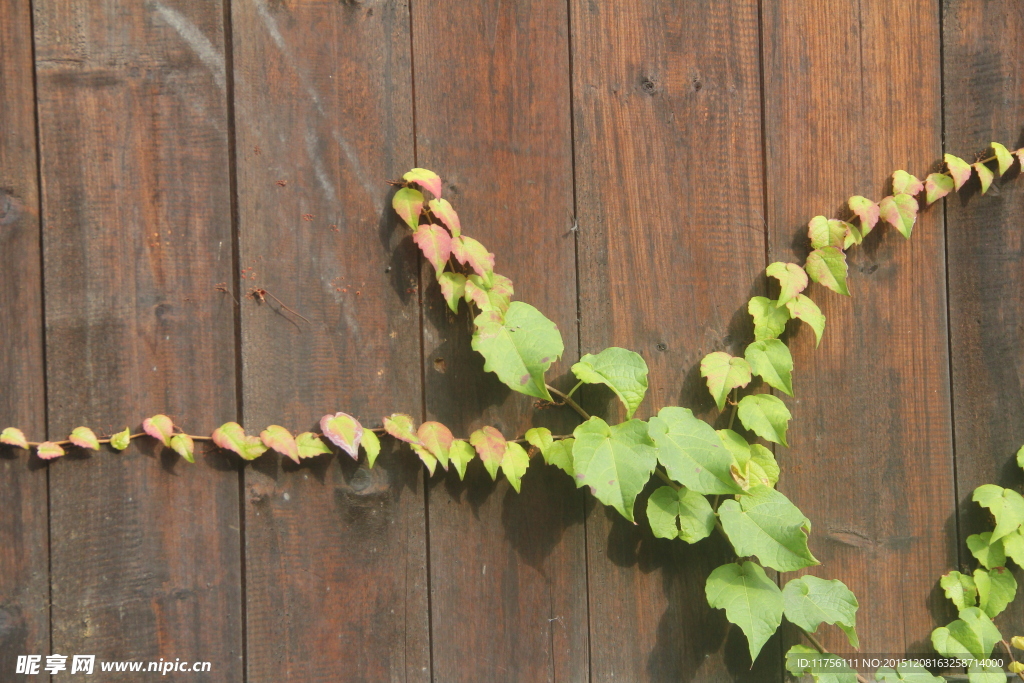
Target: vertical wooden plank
x,y
508,580
668,158
335,553
24,570
984,95
852,94
137,230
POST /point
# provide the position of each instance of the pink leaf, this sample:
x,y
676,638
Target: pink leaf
x,y
490,444
435,243
901,212
401,427
83,437
446,214
937,186
13,437
959,169
343,431
437,439
231,437
468,251
866,210
477,295
160,428
281,440
49,450
428,180
904,183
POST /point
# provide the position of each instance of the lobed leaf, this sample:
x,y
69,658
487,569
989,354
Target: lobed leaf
x,y
614,461
724,373
996,589
766,524
402,427
900,211
765,415
988,552
160,428
769,317
344,431
453,288
231,437
866,210
750,599
469,252
518,347
1006,505
183,445
309,445
771,361
622,370
681,513
960,588
408,204
959,169
937,186
371,446
436,245
428,180
437,440
824,668
809,602
1013,546
49,450
83,437
792,280
13,436
973,635
985,175
459,455
446,214
121,440
491,446
1004,159
803,308
827,267
692,452
560,455
281,440
826,233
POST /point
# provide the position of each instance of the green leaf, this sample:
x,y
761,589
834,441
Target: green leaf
x,y
771,360
514,464
900,211
1013,545
344,431
495,296
560,455
682,513
826,233
769,317
183,445
802,308
910,672
408,204
792,280
231,437
540,438
691,452
281,440
436,245
371,446
453,288
985,175
425,456
750,599
401,427
428,180
1006,505
828,268
622,370
960,588
615,461
459,455
519,347
119,441
83,437
724,373
309,445
765,415
13,436
972,635
446,214
810,601
48,450
766,524
905,183
853,236
491,445
996,589
762,467
825,668
985,674
959,169
1003,157
866,210
1020,457
437,439
990,553
937,186
160,428
469,252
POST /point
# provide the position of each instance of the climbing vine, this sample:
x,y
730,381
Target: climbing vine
x,y
712,480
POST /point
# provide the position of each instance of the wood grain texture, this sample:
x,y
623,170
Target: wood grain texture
x,y
852,93
669,183
137,230
508,582
24,562
984,98
335,552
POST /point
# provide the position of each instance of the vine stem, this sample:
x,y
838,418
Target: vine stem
x,y
1009,651
568,401
821,649
735,406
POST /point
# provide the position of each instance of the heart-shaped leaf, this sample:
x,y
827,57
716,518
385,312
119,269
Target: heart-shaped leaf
x,y
1003,157
972,636
469,252
344,431
514,463
231,437
866,210
766,524
826,233
624,371
905,183
371,446
959,169
750,599
803,308
459,455
453,288
518,347
560,455
437,439
691,452
771,360
49,450
83,437
540,438
792,280
827,267
769,317
401,427
614,461
426,179
436,245
937,186
900,211
724,373
408,204
989,553
996,589
309,445
446,214
121,440
960,588
13,436
183,445
491,446
1006,505
281,440
985,175
810,602
765,415
681,513
160,428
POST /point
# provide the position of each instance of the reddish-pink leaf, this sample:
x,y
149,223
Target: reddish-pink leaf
x,y
49,450
937,186
446,214
866,210
408,204
281,440
344,431
437,439
490,444
401,427
474,293
13,437
905,183
83,437
1020,157
901,212
470,252
160,428
428,180
959,169
435,243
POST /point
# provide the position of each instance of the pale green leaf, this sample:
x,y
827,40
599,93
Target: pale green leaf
x,y
540,438
769,317
724,373
437,439
826,233
49,450
183,445
160,428
985,674
614,461
230,436
866,210
804,309
825,668
1003,157
900,211
765,415
470,252
344,431
827,267
310,445
763,468
691,452
810,601
425,178
514,463
460,454
453,288
371,446
959,169
426,457
281,440
560,455
1006,505
905,183
792,280
402,427
622,370
937,186
990,553
682,513
519,347
1013,544
1020,457
972,635
12,436
119,441
910,672
960,588
766,524
408,204
491,446
985,175
853,236
446,214
771,360
83,437
996,589
750,599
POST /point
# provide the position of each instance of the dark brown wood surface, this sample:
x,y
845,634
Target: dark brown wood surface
x,y
136,232
984,86
871,459
508,572
669,194
24,562
336,578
